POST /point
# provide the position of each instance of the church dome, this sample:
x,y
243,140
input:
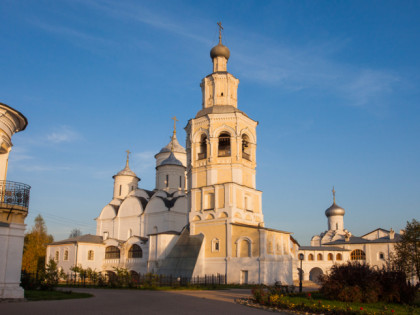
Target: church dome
x,y
220,50
171,160
176,146
334,210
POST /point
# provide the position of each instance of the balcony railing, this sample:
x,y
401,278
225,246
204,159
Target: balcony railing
x,y
13,193
224,153
246,156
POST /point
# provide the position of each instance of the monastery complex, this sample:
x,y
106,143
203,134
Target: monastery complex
x,y
203,217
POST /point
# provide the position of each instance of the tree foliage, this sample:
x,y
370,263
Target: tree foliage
x,y
35,245
407,251
75,232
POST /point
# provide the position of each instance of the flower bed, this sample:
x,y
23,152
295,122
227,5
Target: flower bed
x,y
274,299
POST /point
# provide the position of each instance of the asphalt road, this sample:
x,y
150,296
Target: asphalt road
x,y
107,301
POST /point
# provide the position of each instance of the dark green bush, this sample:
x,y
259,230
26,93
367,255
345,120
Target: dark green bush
x,y
356,282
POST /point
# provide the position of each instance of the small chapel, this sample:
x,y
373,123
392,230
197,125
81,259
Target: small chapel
x,y
204,216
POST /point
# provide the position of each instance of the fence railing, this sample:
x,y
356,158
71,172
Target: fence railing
x,y
14,193
133,280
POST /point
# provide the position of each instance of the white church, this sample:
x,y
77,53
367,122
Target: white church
x,y
204,216
337,245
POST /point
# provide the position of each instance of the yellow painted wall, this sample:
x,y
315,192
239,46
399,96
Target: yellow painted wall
x,y
221,197
198,200
224,175
210,232
252,234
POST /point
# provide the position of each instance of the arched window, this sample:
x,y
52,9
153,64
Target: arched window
x,y
224,144
112,252
358,254
91,255
215,245
135,252
311,257
244,248
339,257
330,256
66,255
202,154
57,255
319,257
246,149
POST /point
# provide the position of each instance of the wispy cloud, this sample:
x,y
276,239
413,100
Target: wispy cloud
x,y
143,161
63,134
20,154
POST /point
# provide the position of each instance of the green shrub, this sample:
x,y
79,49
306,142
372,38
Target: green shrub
x,y
356,282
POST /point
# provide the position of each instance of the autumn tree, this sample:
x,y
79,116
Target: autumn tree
x,y
407,251
75,232
35,246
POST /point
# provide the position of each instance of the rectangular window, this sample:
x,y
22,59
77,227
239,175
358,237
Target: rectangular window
x,y
167,180
180,181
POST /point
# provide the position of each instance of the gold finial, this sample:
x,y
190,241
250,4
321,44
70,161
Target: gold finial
x,y
220,31
175,120
333,191
128,157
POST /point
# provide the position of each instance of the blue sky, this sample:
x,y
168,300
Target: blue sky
x,y
333,84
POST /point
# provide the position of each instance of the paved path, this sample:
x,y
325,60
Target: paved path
x,y
107,301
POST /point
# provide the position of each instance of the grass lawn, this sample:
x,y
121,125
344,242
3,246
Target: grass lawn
x,y
37,295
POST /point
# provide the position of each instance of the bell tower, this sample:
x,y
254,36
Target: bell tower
x,y
221,152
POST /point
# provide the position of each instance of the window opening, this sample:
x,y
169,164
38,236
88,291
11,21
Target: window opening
x,y
358,254
167,180
224,144
66,255
120,190
91,255
246,151
57,255
180,181
112,252
203,148
135,252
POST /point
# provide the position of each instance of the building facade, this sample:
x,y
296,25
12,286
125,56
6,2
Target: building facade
x,y
14,203
204,216
337,245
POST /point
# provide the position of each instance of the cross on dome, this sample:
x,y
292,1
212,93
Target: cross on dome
x,y
128,157
220,31
333,191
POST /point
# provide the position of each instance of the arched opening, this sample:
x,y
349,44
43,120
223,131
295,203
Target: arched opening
x,y
112,252
91,255
135,252
246,148
358,254
57,255
66,255
244,248
319,257
202,154
224,144
215,245
315,274
330,256
310,257
339,257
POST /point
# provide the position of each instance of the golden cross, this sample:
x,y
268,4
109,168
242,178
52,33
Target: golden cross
x,y
128,155
333,191
220,31
175,120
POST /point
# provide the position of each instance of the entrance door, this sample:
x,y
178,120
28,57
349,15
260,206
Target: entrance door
x,y
244,276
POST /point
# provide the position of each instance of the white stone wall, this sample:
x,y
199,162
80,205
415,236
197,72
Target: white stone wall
x,y
11,249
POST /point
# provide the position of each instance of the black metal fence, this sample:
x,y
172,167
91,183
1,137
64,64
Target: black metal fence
x,y
14,193
130,280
